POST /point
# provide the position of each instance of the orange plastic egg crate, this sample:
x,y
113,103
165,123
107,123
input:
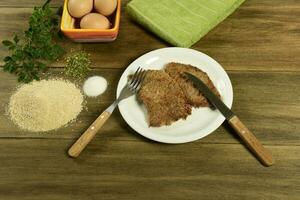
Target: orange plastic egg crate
x,y
90,35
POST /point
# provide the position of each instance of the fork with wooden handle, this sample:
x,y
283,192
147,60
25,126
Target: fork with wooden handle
x,y
132,87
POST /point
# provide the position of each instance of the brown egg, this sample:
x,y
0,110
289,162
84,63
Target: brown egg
x,y
105,7
79,8
94,21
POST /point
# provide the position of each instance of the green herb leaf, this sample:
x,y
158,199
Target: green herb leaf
x,y
7,43
30,55
16,39
7,59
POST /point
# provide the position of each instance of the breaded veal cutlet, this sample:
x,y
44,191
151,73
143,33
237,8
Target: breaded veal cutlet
x,y
194,96
164,100
168,96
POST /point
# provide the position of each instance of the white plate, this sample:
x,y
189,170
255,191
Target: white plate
x,y
202,122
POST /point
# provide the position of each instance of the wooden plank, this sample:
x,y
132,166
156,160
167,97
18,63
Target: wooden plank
x,y
33,169
28,3
261,35
268,102
257,45
255,3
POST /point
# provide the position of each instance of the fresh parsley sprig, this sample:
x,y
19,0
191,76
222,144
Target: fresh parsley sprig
x,y
30,54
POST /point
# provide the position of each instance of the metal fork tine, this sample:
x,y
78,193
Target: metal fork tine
x,y
137,77
134,77
137,82
144,76
141,77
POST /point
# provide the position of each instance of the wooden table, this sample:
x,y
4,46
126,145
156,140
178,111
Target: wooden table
x,y
259,46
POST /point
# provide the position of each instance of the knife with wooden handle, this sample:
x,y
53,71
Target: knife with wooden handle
x,y
263,155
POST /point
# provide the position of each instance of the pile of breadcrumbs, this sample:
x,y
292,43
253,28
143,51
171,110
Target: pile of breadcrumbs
x,y
45,105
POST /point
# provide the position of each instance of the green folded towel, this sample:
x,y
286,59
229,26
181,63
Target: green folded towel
x,y
181,22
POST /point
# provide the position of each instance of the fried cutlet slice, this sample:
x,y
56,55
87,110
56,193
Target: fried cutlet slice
x,y
194,96
163,98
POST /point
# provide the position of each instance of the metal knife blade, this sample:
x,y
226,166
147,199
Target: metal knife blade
x,y
212,98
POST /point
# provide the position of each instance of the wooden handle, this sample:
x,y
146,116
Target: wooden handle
x,y
251,141
88,135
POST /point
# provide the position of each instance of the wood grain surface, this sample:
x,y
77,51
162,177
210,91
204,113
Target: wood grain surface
x,y
259,46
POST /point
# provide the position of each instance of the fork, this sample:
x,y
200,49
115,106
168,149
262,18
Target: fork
x,y
132,86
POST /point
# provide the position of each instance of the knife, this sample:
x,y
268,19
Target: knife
x,y
245,134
